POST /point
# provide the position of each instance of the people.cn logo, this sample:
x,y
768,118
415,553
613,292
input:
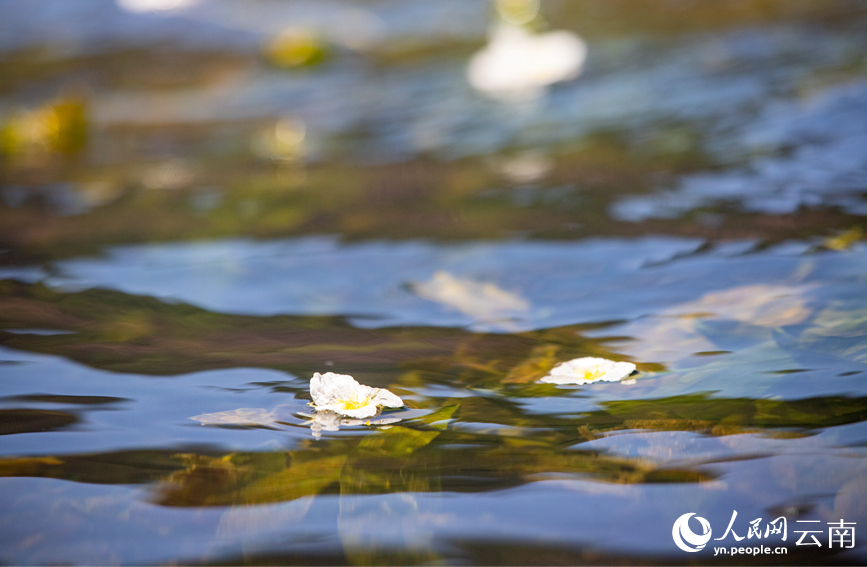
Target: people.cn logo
x,y
685,538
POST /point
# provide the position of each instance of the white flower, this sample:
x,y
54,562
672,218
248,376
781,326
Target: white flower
x,y
517,61
341,394
588,370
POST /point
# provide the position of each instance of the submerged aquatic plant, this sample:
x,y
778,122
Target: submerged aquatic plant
x,y
588,370
342,394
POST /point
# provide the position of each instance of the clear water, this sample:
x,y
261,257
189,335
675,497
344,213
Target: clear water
x,y
201,229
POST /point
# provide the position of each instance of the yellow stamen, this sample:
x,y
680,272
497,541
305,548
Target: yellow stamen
x,y
594,373
354,404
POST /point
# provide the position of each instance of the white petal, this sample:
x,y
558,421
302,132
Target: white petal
x,y
328,388
618,371
578,365
550,379
387,399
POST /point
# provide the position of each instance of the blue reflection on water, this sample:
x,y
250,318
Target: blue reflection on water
x,y
590,281
158,411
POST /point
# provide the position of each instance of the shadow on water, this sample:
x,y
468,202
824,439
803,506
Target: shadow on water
x,y
30,421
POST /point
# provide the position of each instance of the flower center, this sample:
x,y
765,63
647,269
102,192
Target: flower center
x,y
594,373
354,404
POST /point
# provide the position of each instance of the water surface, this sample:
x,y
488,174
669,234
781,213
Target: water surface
x,y
191,227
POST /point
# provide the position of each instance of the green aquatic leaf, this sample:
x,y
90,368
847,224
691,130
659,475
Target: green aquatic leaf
x,y
306,477
249,478
721,416
440,418
542,359
397,441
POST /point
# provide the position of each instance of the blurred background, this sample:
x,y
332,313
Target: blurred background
x,y
146,120
202,202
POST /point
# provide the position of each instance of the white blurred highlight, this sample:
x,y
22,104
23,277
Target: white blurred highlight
x,y
518,63
282,142
138,6
483,301
526,168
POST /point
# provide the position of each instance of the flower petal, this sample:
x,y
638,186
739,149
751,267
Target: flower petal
x,y
564,380
328,388
385,398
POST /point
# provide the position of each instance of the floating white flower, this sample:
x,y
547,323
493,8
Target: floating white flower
x,y
341,394
588,370
519,62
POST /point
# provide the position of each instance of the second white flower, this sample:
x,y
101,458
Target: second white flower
x,y
588,370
